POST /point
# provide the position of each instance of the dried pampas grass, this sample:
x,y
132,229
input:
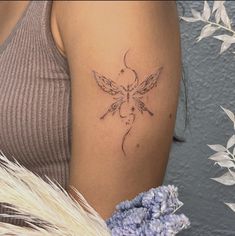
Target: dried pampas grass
x,y
49,210
47,204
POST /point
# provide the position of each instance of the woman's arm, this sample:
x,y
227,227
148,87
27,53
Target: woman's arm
x,y
125,66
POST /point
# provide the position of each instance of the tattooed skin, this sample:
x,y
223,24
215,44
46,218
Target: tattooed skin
x,y
127,95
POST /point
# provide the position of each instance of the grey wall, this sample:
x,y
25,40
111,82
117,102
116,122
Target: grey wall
x,y
210,83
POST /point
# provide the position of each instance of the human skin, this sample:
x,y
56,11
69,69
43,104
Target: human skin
x,y
95,36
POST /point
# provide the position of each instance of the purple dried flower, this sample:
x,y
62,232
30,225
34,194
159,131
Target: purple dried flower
x,y
150,213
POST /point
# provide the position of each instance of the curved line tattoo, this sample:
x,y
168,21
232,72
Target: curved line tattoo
x,y
132,92
124,138
122,116
124,59
136,82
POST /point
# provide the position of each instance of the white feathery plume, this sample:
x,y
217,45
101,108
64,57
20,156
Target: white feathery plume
x,y
36,201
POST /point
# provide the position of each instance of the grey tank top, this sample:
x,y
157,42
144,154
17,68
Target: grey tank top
x,y
35,98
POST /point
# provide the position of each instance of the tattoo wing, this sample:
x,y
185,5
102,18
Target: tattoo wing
x,y
148,83
141,106
113,108
107,85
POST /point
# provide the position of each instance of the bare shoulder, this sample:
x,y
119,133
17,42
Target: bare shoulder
x,y
97,17
98,10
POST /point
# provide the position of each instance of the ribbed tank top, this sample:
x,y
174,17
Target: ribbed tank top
x,y
35,98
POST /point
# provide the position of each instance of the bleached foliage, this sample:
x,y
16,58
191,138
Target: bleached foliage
x,y
216,21
224,156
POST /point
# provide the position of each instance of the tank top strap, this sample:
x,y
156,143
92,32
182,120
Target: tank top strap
x,y
19,24
34,28
47,33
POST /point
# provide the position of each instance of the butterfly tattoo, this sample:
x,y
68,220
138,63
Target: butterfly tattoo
x,y
127,93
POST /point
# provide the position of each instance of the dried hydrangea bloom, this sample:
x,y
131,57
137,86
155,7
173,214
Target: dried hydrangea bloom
x,y
149,213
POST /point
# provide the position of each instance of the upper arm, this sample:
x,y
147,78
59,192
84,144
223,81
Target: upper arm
x,y
121,128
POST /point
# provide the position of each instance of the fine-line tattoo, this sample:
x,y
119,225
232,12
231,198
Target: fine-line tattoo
x,y
129,94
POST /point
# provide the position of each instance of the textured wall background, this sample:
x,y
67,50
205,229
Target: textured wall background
x,y
210,83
